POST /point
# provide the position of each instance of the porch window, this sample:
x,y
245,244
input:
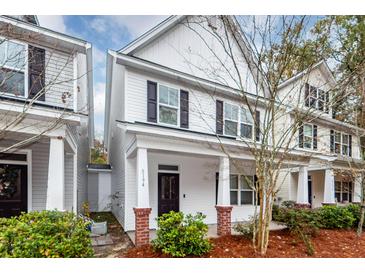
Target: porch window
x,y
241,190
168,100
246,123
13,67
308,136
230,119
343,191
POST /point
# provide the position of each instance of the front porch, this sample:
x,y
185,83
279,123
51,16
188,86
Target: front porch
x,y
317,186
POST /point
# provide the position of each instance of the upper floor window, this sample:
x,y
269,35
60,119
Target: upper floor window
x,y
13,67
316,98
168,101
242,190
246,123
341,143
230,119
308,136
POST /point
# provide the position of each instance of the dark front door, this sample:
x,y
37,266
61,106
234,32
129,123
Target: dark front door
x,y
13,189
168,193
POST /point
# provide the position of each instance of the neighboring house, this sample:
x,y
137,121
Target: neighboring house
x,y
331,174
167,102
46,83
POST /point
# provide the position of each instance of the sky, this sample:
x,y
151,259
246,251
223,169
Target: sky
x,y
104,32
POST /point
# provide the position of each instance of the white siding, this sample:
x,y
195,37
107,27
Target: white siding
x,y
69,184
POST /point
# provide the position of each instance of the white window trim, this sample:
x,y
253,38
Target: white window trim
x,y
342,192
341,143
167,105
239,189
26,91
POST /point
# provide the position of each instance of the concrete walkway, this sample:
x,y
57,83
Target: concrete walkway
x,y
212,231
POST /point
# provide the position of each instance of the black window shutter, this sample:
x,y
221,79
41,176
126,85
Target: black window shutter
x,y
332,141
256,189
301,135
36,72
257,126
216,187
350,145
306,94
151,101
327,107
184,109
219,117
314,136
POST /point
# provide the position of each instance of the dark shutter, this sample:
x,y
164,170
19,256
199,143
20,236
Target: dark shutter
x,y
184,109
306,94
301,135
314,136
327,106
256,190
332,141
350,145
257,126
151,102
216,187
219,117
36,72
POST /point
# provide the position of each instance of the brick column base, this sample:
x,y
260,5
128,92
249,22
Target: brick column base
x,y
224,220
142,230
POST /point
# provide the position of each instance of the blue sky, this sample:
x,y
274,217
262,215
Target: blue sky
x,y
104,32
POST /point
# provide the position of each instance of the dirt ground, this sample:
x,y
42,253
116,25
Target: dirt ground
x,y
327,244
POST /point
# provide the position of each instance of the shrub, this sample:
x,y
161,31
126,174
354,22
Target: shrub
x,y
180,236
44,234
246,229
288,204
355,210
336,217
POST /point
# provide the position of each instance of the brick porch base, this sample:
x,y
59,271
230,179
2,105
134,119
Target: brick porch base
x,y
142,234
224,220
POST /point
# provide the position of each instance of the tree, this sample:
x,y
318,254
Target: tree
x,y
98,155
255,63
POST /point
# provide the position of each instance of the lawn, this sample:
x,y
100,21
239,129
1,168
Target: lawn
x,y
334,243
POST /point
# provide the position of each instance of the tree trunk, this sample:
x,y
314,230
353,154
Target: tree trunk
x,y
361,222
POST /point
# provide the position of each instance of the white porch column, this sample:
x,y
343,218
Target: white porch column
x,y
223,182
356,197
302,192
329,187
56,175
143,195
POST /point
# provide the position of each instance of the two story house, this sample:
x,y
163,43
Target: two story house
x,y
46,102
331,173
179,136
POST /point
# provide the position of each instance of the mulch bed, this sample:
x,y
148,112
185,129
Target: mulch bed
x,y
327,244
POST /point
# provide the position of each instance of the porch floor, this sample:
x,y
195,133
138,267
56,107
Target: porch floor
x,y
212,231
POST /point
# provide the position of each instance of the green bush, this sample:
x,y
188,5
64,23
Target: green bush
x,y
49,234
246,229
180,236
355,210
336,217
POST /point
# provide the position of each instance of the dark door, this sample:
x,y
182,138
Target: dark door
x,y
310,189
13,190
168,193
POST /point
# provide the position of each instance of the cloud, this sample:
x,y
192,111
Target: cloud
x,y
53,22
98,57
99,24
99,98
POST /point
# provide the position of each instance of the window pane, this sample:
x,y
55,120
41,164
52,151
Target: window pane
x,y
338,137
345,139
233,182
337,148
246,182
234,198
320,105
246,198
173,97
308,130
246,131
345,187
338,186
235,113
16,56
230,128
345,150
338,197
2,51
307,142
168,115
246,116
164,95
322,95
227,111
12,82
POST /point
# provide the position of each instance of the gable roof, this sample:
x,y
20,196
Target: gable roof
x,y
321,65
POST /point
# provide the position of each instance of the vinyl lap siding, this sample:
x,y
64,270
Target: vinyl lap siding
x,y
69,181
59,78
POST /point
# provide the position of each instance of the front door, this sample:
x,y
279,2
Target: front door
x,y
168,193
13,189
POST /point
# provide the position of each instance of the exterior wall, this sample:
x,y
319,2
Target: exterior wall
x,y
69,181
92,191
185,49
202,103
99,190
197,184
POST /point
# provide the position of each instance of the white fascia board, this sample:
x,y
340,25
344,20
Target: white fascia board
x,y
90,94
180,76
40,113
69,41
108,90
152,34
